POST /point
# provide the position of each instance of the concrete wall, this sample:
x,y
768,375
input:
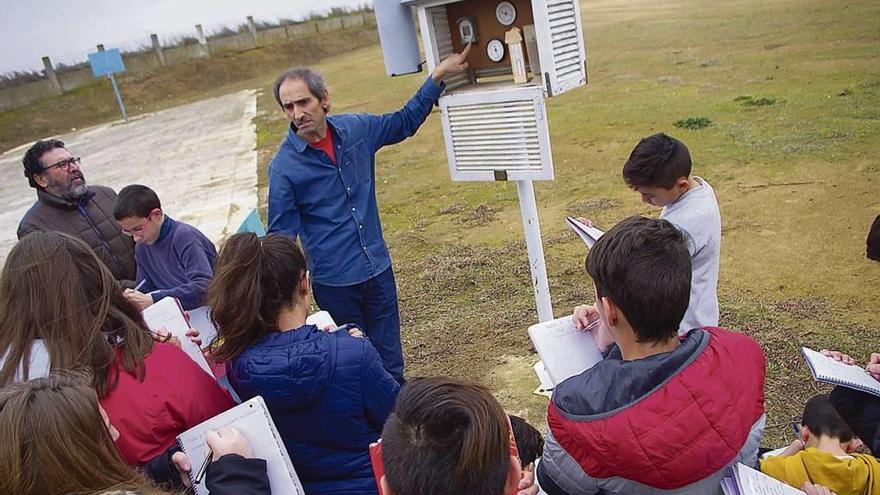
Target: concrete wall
x,y
332,24
180,54
142,62
305,29
25,93
238,43
272,36
75,78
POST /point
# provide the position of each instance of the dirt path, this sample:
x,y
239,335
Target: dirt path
x,y
199,158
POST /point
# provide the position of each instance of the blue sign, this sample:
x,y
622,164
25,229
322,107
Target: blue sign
x,y
106,62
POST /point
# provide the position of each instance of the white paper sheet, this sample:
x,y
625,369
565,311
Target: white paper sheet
x,y
565,350
167,314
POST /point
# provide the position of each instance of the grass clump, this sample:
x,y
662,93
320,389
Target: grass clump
x,y
693,123
750,101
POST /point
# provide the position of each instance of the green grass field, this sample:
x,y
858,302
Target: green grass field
x,y
792,91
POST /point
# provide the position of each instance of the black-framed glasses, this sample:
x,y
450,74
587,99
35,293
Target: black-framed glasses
x,y
64,164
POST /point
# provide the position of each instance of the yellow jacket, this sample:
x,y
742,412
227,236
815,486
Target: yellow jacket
x,y
855,475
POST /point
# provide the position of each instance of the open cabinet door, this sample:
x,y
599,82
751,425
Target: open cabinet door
x,y
560,44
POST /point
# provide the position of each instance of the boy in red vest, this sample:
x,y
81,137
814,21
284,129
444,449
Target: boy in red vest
x,y
661,413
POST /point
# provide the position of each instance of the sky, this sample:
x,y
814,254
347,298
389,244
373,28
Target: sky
x,y
67,30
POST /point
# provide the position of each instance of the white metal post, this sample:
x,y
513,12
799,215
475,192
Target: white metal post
x,y
529,210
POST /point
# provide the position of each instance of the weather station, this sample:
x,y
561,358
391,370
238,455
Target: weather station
x,y
493,115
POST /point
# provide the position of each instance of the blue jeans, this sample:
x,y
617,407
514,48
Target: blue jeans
x,y
372,306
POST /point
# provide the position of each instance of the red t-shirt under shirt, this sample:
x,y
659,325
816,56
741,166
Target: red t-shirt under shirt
x,y
326,145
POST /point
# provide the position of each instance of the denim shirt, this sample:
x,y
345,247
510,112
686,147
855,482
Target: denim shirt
x,y
332,208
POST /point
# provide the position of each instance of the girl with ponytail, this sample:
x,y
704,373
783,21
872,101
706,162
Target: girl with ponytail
x,y
328,393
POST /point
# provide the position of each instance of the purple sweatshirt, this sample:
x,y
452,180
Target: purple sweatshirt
x,y
179,264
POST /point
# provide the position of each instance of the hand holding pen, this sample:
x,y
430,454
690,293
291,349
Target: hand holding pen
x,y
224,441
586,318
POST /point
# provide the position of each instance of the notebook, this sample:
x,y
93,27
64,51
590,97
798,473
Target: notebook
x,y
322,320
168,314
588,234
565,350
252,419
742,480
827,370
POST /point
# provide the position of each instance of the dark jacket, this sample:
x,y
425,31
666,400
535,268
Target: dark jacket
x,y
861,411
329,397
873,241
231,474
90,219
668,423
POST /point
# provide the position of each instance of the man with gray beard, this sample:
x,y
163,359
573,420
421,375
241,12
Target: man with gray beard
x,y
65,203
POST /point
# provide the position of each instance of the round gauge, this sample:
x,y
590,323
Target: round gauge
x,y
505,12
495,50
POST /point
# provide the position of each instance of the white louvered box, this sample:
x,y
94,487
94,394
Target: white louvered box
x,y
497,134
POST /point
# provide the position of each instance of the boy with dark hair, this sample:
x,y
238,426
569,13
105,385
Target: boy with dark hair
x,y
659,168
824,454
661,413
448,436
529,441
173,258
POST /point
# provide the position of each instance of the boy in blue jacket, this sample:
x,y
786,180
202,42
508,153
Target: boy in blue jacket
x,y
173,258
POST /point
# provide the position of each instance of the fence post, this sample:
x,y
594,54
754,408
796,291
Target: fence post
x,y
154,40
203,42
252,27
54,84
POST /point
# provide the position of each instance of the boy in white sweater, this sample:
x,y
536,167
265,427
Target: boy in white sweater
x,y
659,168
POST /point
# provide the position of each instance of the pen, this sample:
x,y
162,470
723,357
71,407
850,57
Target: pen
x,y
138,286
204,469
592,325
797,428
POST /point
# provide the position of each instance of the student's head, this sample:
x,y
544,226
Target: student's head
x,y
53,287
641,270
139,213
820,419
529,441
447,436
56,440
659,168
50,167
255,279
303,97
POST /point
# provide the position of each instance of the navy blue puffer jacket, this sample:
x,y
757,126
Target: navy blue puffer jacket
x,y
329,397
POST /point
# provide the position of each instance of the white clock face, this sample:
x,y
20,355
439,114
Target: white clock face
x,y
505,12
495,50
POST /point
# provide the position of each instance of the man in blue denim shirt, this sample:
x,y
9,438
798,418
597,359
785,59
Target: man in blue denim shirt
x,y
322,188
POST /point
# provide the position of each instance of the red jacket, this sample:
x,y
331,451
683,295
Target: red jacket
x,y
666,422
175,395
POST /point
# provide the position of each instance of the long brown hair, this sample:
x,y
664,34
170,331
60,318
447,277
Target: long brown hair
x,y
55,442
54,287
254,279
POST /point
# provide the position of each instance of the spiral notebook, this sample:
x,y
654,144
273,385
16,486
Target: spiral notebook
x,y
565,350
587,233
252,419
742,480
827,370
